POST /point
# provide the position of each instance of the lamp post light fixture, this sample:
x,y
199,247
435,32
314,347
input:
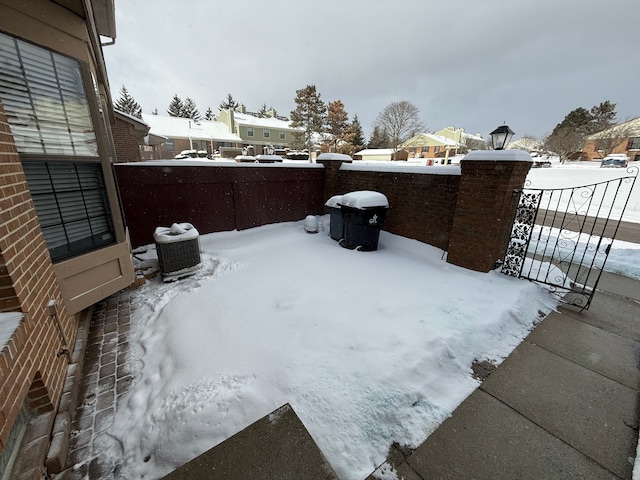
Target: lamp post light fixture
x,y
500,137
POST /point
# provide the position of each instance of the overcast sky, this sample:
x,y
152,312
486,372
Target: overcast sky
x,y
468,63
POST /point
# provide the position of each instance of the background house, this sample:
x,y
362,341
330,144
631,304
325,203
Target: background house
x,y
168,136
472,142
63,241
429,145
369,154
128,136
621,138
259,131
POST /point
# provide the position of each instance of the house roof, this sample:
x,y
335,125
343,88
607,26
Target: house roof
x,y
429,139
376,151
264,122
629,128
177,127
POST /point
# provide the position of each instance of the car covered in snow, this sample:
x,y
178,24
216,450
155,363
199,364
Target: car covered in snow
x,y
615,160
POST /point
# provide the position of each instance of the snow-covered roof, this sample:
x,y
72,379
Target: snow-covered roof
x,y
425,139
376,151
177,127
628,128
264,122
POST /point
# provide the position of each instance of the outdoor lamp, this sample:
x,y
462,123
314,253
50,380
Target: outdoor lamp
x,y
500,137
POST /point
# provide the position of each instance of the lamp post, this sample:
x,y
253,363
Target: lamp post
x,y
500,137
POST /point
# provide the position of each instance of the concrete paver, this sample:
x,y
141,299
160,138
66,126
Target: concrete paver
x,y
607,353
487,439
592,413
277,446
564,404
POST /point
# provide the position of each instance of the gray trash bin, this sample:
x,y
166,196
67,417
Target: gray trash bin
x,y
178,249
363,213
335,217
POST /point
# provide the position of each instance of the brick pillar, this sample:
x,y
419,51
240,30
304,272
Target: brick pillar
x,y
332,176
485,207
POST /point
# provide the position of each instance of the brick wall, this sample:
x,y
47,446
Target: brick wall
x,y
126,142
421,206
29,366
469,214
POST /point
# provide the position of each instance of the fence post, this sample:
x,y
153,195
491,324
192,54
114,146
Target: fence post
x,y
485,207
331,176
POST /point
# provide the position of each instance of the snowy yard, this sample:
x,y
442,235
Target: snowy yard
x,y
368,347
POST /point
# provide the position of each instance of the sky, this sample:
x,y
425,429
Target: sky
x,y
364,360
473,65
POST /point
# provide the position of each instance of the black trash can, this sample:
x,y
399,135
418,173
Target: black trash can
x,y
363,214
335,217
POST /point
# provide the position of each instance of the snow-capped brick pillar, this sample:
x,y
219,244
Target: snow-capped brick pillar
x,y
485,207
332,164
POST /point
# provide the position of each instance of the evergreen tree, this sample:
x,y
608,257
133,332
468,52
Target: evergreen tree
x,y
175,107
262,112
309,115
379,138
127,104
603,116
228,104
358,135
189,110
209,114
337,122
569,135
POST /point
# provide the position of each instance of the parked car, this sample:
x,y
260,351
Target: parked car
x,y
615,160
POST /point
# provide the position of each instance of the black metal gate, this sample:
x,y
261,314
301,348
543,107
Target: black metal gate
x,y
562,237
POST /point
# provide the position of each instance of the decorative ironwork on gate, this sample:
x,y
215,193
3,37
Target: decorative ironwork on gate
x,y
562,237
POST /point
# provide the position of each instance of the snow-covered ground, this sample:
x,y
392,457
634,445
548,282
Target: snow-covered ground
x,y
368,347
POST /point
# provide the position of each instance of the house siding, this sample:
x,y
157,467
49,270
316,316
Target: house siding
x,y
29,367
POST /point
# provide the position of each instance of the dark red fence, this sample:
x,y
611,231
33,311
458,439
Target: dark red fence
x,y
216,198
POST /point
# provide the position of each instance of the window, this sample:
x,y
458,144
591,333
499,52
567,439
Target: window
x,y
169,145
45,102
250,131
71,204
281,132
436,149
43,96
267,133
634,143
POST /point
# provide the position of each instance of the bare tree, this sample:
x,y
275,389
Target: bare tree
x,y
564,141
401,121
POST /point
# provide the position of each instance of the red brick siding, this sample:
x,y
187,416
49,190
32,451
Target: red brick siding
x,y
126,143
29,366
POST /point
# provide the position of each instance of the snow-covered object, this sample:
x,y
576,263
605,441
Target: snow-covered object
x,y
513,155
269,158
364,199
311,224
333,156
177,232
334,202
9,322
245,158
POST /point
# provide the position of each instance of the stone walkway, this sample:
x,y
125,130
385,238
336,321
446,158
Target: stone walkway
x,y
105,379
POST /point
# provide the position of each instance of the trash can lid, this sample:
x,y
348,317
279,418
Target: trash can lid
x,y
364,199
334,201
175,233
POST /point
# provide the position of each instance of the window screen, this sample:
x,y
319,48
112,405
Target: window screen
x,y
44,100
72,206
